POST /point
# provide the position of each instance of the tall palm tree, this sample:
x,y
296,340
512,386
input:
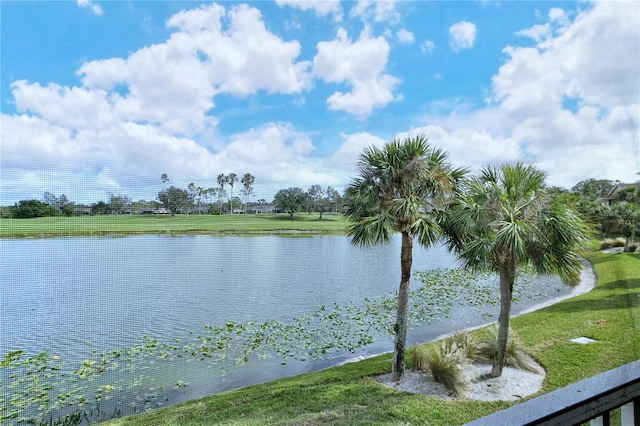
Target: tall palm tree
x,y
400,188
626,216
222,179
247,181
231,179
505,219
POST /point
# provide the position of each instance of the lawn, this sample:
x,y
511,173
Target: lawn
x,y
152,224
347,395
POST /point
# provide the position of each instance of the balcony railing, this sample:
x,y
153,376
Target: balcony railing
x,y
588,401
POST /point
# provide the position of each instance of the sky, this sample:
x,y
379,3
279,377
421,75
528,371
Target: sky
x,y
103,97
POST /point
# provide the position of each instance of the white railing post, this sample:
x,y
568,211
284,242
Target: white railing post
x,y
628,415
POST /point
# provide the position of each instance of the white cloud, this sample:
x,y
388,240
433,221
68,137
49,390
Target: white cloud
x,y
558,22
135,117
361,64
173,84
538,32
559,17
528,120
321,7
427,46
95,7
376,10
585,62
462,35
348,154
467,145
405,36
279,156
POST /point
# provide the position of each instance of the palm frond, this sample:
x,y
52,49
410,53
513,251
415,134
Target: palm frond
x,y
401,186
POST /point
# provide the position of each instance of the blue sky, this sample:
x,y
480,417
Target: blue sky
x,y
102,97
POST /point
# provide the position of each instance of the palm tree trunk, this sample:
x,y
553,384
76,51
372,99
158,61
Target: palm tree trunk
x,y
507,276
406,259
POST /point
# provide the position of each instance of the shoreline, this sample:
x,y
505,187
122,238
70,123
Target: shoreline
x,y
586,284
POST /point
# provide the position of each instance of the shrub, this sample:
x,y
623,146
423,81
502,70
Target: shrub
x,y
447,364
611,242
419,358
466,343
606,244
448,360
515,357
619,242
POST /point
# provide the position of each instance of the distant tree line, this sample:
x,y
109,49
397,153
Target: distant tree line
x,y
315,199
613,207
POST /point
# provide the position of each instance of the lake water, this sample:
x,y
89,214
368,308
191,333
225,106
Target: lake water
x,y
69,296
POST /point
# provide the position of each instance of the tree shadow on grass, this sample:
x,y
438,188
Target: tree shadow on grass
x,y
612,257
628,300
297,218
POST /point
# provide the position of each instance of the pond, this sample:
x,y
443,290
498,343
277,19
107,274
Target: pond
x,y
71,296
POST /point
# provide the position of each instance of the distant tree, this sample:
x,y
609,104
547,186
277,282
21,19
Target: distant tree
x,y
594,211
100,208
193,193
27,209
594,187
333,198
261,203
505,219
401,188
118,203
200,194
231,179
626,216
164,178
50,199
174,199
222,180
247,181
629,193
65,206
290,200
62,204
317,198
213,196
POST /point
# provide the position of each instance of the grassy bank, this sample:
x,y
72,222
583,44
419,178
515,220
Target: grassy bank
x,y
347,395
179,224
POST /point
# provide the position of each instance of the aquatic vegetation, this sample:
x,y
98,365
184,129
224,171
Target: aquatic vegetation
x,y
44,389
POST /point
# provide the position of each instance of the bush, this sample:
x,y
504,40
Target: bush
x,y
27,209
447,361
515,357
419,358
610,242
447,364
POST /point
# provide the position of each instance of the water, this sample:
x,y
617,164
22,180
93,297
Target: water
x,y
69,296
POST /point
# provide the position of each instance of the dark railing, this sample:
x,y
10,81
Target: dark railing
x,y
589,400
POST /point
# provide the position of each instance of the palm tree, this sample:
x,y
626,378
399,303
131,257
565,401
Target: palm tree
x,y
247,181
164,178
400,188
505,219
626,216
222,179
231,179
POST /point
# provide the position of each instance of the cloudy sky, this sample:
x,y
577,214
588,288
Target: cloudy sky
x,y
102,97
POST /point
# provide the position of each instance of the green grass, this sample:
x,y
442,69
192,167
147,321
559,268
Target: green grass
x,y
150,224
347,395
